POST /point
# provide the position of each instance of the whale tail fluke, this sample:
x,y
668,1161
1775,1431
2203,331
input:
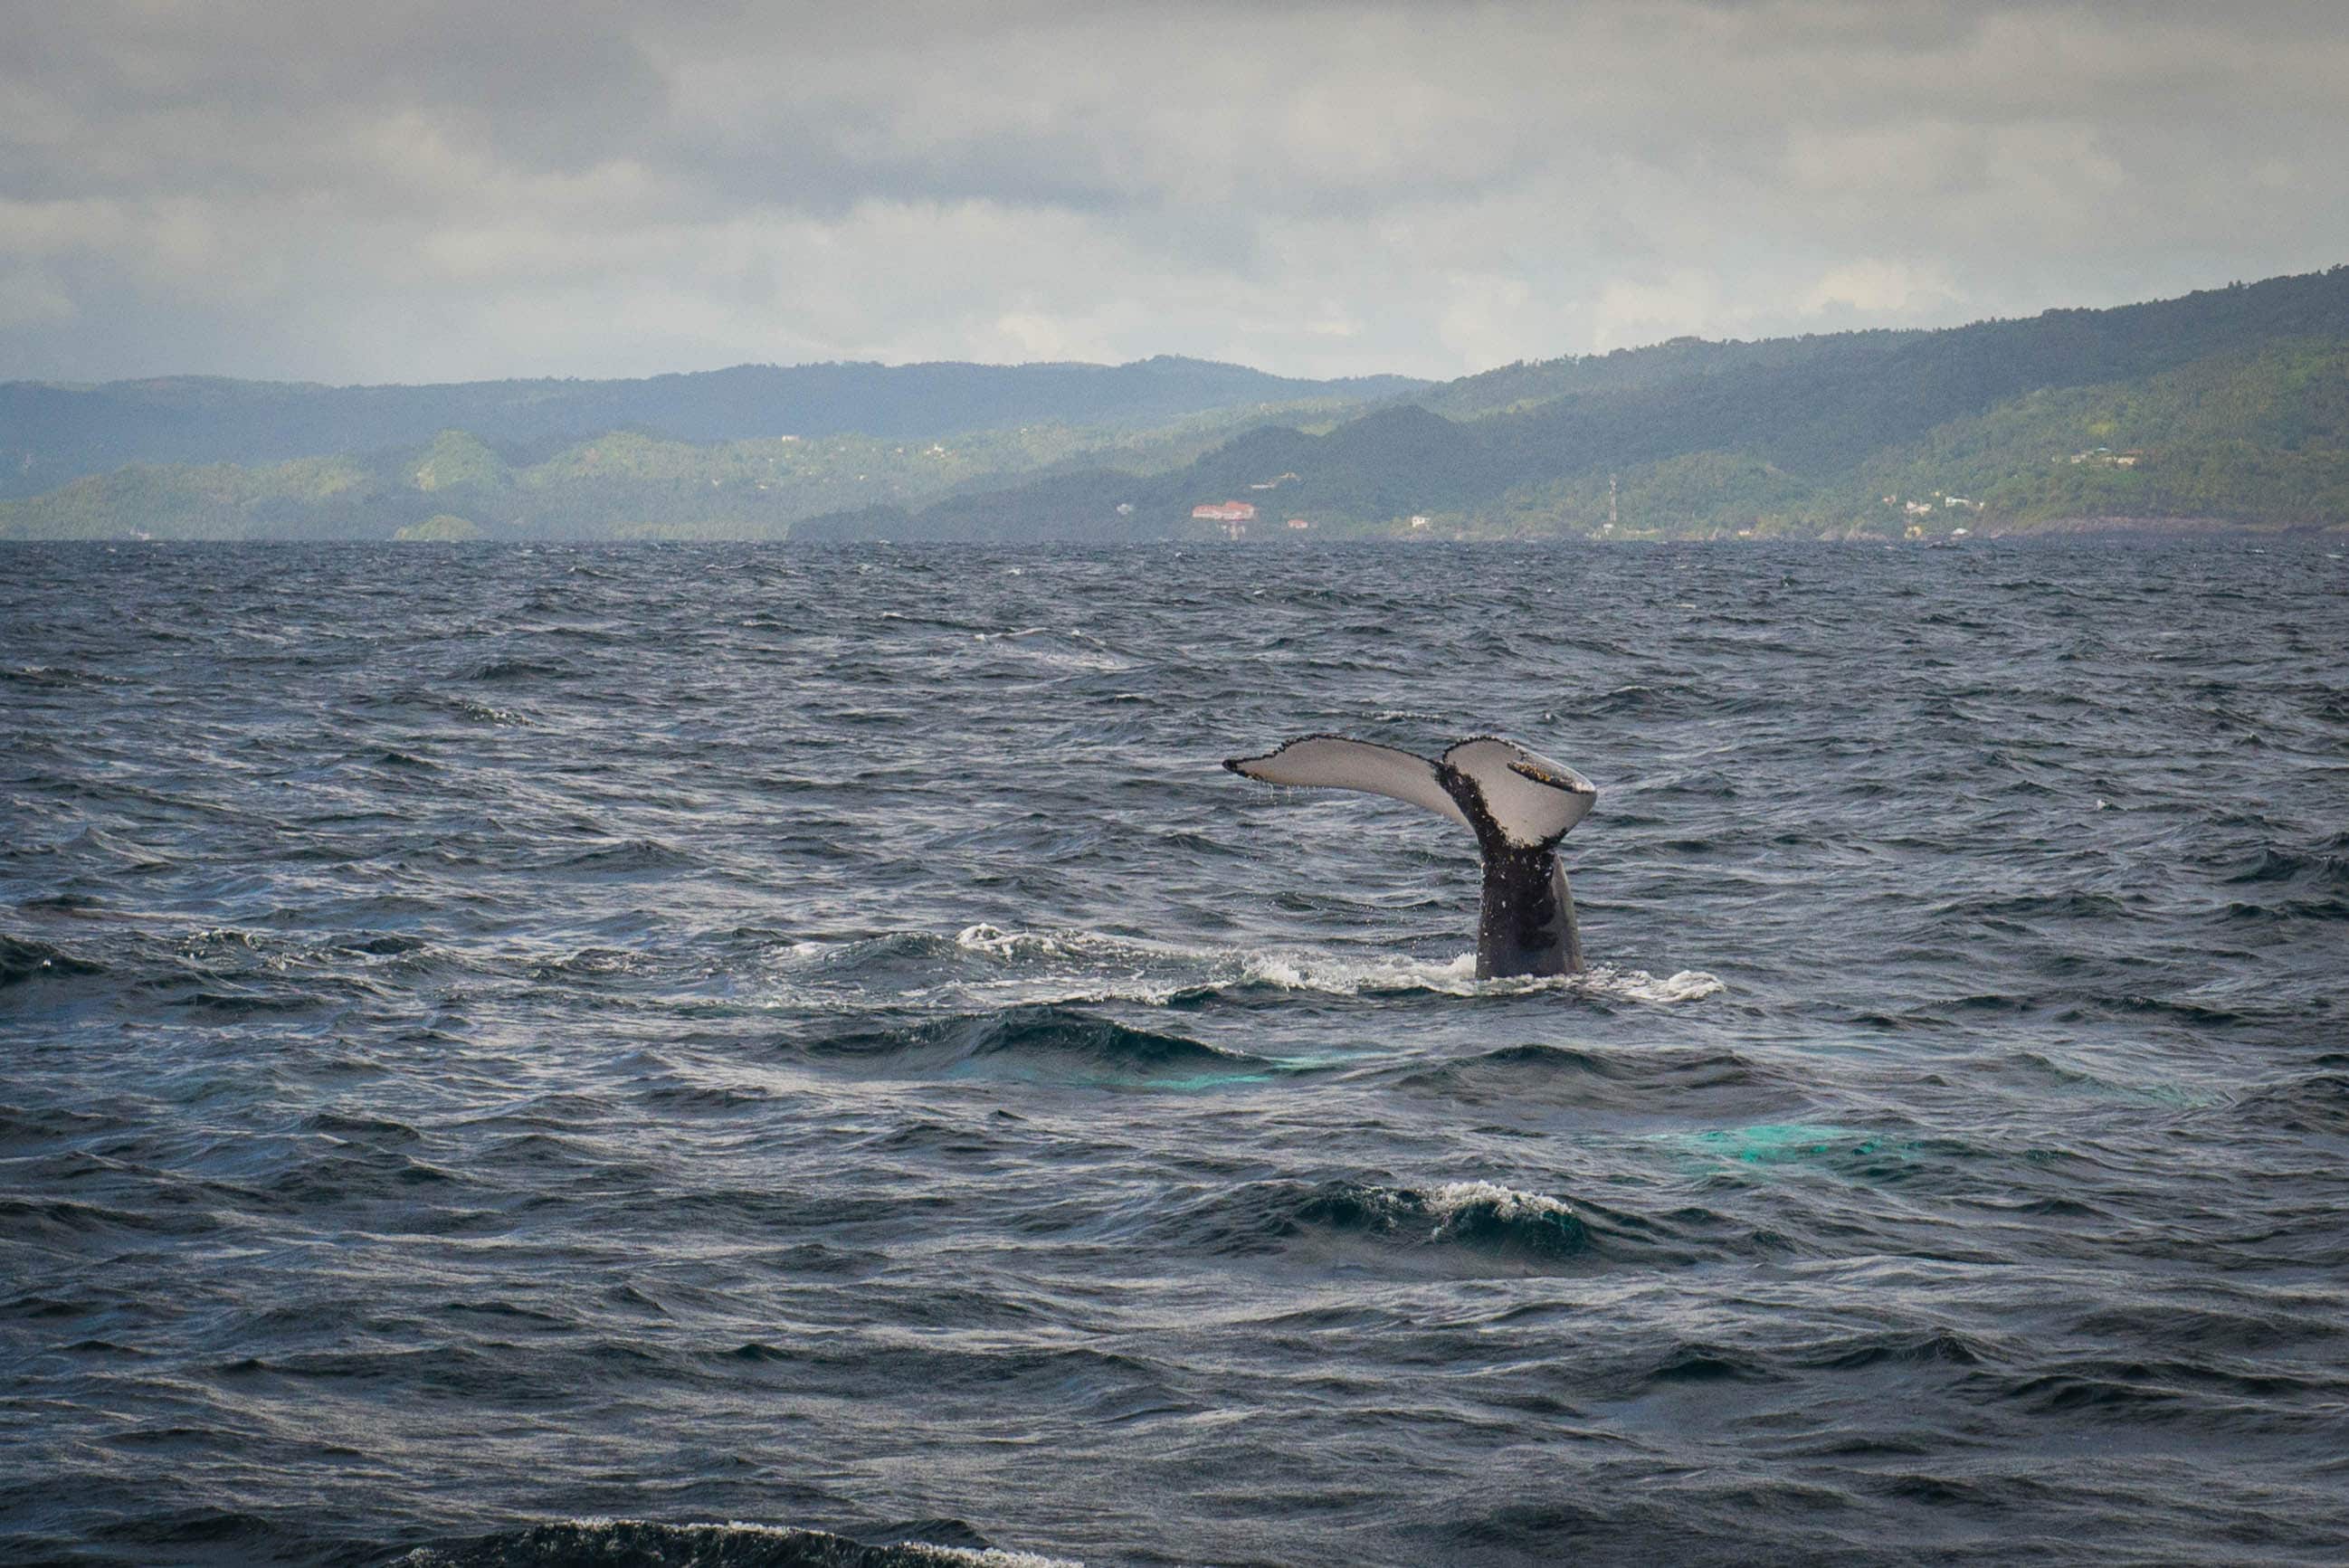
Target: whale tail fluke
x,y
1518,802
1486,784
1532,801
1335,762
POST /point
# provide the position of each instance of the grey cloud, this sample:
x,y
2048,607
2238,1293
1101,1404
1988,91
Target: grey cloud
x,y
440,189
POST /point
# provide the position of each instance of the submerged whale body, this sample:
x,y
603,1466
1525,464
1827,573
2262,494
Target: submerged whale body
x,y
1518,804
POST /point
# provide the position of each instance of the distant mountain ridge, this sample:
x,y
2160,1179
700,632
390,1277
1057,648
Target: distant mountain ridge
x,y
52,433
2227,405
618,484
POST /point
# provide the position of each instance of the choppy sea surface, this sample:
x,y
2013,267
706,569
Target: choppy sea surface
x,y
530,1055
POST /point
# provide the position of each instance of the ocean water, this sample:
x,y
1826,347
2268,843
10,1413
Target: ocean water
x,y
529,1055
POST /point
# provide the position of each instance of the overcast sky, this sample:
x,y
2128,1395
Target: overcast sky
x,y
400,191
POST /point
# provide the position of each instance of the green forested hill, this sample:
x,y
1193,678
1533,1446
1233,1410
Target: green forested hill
x,y
622,484
2261,435
2224,405
2229,405
2074,345
52,434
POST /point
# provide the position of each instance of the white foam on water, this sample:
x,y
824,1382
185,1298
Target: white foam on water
x,y
1335,976
1325,974
1079,967
998,943
920,1550
1154,972
1457,978
1447,1202
1639,985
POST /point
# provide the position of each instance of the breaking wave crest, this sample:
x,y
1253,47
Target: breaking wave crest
x,y
1482,1217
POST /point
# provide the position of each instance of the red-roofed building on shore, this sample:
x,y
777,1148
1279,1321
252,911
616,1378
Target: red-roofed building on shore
x,y
1233,516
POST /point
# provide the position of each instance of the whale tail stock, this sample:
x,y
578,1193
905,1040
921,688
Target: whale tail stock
x,y
1519,804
